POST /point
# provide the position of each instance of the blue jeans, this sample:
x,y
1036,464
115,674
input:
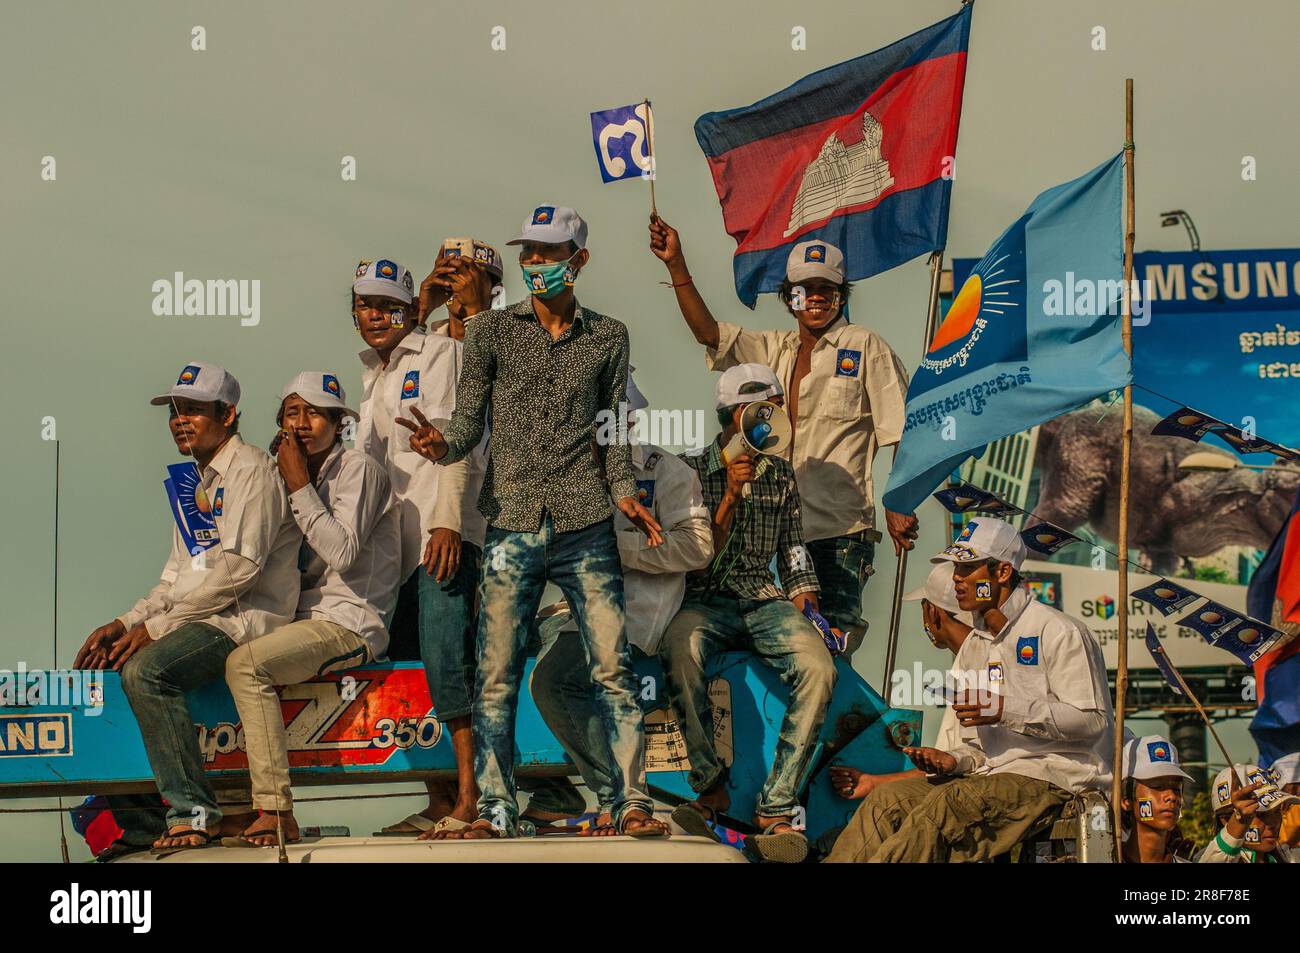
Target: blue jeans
x,y
779,634
155,680
842,565
585,565
442,636
563,692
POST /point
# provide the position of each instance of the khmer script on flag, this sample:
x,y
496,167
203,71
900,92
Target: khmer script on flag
x,y
859,154
1014,349
624,141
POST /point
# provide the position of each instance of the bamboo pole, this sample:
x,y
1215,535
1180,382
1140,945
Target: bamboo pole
x,y
891,648
1126,447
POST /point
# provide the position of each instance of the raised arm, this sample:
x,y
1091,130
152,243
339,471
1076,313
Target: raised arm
x,y
667,247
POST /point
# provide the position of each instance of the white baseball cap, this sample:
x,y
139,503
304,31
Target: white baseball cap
x,y
815,259
484,254
635,399
938,589
553,225
1152,756
199,380
727,392
985,538
386,278
1286,769
320,389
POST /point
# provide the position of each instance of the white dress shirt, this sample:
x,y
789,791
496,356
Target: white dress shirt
x,y
352,546
1057,717
422,372
245,585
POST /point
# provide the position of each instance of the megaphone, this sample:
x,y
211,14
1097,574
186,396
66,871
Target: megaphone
x,y
764,430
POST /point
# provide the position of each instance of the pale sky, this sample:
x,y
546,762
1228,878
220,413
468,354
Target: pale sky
x,y
225,163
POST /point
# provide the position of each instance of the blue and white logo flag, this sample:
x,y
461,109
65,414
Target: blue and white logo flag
x,y
190,507
1033,333
624,141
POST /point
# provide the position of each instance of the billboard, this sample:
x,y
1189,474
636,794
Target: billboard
x,y
1220,334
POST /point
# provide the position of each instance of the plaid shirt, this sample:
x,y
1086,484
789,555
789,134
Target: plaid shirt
x,y
765,525
544,396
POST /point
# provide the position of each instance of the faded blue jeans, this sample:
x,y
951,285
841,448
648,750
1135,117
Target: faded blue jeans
x,y
563,692
584,564
843,564
155,680
781,637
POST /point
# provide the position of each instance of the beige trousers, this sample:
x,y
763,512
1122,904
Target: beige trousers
x,y
292,653
958,820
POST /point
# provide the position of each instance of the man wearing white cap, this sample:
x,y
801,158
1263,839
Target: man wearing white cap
x,y
548,369
1248,806
1033,738
410,375
654,581
1152,803
845,391
737,604
467,276
231,578
351,559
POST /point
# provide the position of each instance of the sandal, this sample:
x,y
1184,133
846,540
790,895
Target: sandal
x,y
447,823
694,818
647,826
421,824
787,846
161,852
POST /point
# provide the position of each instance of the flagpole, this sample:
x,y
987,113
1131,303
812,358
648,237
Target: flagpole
x,y
891,649
1126,447
650,151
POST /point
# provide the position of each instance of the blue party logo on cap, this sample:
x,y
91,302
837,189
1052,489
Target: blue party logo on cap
x,y
1159,751
330,384
386,269
1221,792
189,374
362,265
847,362
1027,650
543,214
815,253
968,532
411,385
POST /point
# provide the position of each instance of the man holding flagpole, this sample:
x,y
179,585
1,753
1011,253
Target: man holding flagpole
x,y
845,389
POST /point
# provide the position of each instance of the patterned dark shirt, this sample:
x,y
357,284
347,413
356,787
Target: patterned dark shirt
x,y
543,396
767,524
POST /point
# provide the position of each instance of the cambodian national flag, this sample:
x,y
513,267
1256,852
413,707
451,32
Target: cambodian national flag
x,y
859,154
1033,333
1274,594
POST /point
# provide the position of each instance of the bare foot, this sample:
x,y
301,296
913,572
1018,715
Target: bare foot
x,y
639,823
262,831
851,783
187,835
467,814
481,829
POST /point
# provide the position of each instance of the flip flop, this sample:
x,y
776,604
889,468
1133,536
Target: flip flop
x,y
787,847
690,818
418,821
161,852
118,849
650,826
447,823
